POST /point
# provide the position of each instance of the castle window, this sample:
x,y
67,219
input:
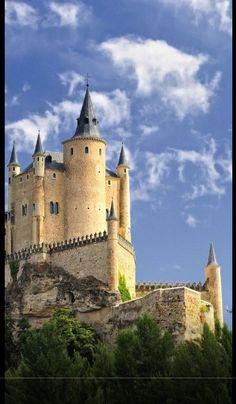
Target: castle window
x,y
54,175
86,120
52,207
94,121
24,210
38,158
86,149
109,182
71,151
27,177
33,207
56,206
124,170
13,168
21,179
9,180
100,152
49,159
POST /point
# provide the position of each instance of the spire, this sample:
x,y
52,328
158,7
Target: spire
x,y
112,215
38,147
87,124
211,256
13,158
123,160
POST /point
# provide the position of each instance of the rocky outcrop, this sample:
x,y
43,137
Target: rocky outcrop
x,y
41,288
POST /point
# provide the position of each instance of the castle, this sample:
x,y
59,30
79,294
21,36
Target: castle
x,y
69,211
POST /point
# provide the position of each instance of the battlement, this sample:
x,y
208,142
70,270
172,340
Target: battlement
x,y
26,253
142,287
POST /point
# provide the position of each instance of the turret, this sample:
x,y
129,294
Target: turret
x,y
38,193
112,248
124,219
13,170
85,171
39,158
213,278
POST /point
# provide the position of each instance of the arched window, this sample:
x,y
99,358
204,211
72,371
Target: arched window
x,y
86,149
13,168
100,152
109,182
71,151
124,170
86,120
54,175
38,158
51,208
56,208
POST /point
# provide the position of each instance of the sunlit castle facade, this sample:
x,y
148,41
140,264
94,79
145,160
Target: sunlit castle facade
x,y
64,196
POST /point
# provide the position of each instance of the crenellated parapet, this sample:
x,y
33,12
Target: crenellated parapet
x,y
125,244
26,253
142,287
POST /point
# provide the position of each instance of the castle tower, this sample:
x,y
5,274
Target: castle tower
x,y
85,170
213,278
123,172
13,170
112,247
38,193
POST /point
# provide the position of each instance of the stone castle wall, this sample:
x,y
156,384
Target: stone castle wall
x,y
126,263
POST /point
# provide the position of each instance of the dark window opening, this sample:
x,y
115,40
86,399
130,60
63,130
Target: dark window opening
x,y
109,182
94,121
49,159
124,170
21,179
33,207
24,210
38,158
51,207
86,149
13,168
100,152
56,208
86,120
54,175
71,151
27,177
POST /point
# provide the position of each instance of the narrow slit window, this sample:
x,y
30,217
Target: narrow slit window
x,y
86,149
54,175
56,208
51,208
71,151
100,152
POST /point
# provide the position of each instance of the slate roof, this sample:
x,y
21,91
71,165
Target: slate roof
x,y
123,159
13,158
38,147
87,124
211,256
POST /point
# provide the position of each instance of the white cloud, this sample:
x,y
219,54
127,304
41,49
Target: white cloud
x,y
158,67
191,221
206,173
26,87
218,12
148,130
111,109
20,13
69,14
71,79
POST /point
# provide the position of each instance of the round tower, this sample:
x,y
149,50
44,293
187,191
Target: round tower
x,y
13,170
38,193
213,279
112,249
85,170
124,219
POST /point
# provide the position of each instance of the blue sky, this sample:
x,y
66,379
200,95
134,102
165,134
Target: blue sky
x,y
160,81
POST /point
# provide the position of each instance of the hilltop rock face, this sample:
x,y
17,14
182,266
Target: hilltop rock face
x,y
41,288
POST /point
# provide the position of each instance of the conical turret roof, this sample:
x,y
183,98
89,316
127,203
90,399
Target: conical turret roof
x,y
13,158
87,124
123,159
112,215
211,256
38,147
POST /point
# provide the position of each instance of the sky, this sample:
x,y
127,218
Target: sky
x,y
160,80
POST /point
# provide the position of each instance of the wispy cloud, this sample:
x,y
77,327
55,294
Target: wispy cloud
x,y
21,14
217,12
71,79
112,108
67,14
191,221
159,67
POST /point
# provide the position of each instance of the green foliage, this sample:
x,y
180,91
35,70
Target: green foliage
x,y
72,366
14,269
124,291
